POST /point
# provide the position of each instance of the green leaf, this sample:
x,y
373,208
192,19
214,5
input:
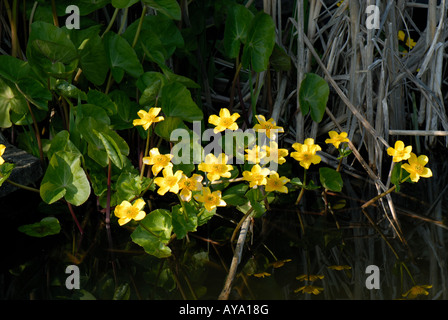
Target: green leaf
x,y
313,96
237,26
70,91
61,142
164,128
121,57
150,84
35,92
280,60
111,147
10,101
121,4
169,8
102,100
153,233
260,42
50,49
93,60
13,69
176,102
330,179
46,227
255,198
234,195
5,171
184,221
65,178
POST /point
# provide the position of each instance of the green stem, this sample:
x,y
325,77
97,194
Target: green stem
x,y
111,23
139,28
303,189
146,153
21,186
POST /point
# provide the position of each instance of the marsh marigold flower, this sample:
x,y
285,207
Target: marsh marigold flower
x,y
273,153
310,277
126,211
276,183
416,167
169,182
254,155
158,161
187,185
148,118
306,153
269,126
339,267
216,167
309,289
400,152
337,138
410,43
2,150
257,176
417,291
224,121
211,200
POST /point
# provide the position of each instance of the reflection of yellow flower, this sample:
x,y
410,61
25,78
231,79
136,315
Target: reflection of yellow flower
x,y
147,118
188,185
336,139
417,291
309,289
276,183
254,155
257,176
269,125
2,150
127,211
273,153
216,167
279,263
158,161
416,167
400,152
306,153
339,268
310,277
261,274
224,121
169,182
210,199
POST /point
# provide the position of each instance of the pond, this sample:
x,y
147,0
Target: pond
x,y
283,249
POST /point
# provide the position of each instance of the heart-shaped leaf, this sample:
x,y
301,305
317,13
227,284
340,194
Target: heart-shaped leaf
x,y
237,26
46,227
331,179
313,96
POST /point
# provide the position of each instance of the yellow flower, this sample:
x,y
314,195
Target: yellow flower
x,y
257,176
306,153
261,274
311,277
309,289
126,211
273,153
269,125
336,139
276,183
147,118
216,167
2,150
417,291
416,167
211,200
400,152
158,161
169,182
409,42
339,268
254,155
224,121
187,185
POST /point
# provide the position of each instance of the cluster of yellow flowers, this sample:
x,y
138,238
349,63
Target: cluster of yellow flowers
x,y
415,166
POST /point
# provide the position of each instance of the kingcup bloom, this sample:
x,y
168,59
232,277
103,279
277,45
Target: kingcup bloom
x,y
336,139
187,185
276,183
417,291
400,152
310,277
126,211
211,200
169,182
2,150
158,161
416,167
224,121
273,153
254,155
216,167
306,153
410,43
257,176
309,289
269,126
148,118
